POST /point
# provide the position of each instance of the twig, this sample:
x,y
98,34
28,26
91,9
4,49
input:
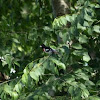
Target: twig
x,y
9,80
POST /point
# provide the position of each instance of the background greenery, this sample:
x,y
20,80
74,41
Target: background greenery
x,y
73,74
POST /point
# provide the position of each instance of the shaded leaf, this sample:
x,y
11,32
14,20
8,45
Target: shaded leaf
x,y
98,83
66,50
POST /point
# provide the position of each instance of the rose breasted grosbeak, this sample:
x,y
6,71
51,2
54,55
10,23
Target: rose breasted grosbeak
x,y
48,49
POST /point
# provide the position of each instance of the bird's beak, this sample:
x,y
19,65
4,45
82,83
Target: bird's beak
x,y
40,46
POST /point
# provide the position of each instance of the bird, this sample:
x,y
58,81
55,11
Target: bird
x,y
48,49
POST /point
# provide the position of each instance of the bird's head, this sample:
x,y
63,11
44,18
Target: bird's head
x,y
42,46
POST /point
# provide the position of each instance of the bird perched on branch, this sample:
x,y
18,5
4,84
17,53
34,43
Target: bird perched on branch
x,y
48,49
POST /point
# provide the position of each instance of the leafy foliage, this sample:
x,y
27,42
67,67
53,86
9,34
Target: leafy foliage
x,y
72,74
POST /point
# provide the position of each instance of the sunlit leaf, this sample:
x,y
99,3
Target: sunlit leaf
x,y
25,78
78,52
34,75
96,28
85,93
15,95
68,18
86,57
36,72
7,89
77,46
94,98
88,18
18,87
81,75
59,63
63,21
83,39
16,63
79,26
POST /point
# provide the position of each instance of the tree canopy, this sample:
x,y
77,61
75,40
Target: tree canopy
x,y
27,73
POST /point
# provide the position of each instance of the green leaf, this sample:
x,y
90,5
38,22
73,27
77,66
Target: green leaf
x,y
81,75
68,18
97,6
82,86
16,63
77,46
79,26
69,79
78,52
85,93
59,22
56,23
57,62
98,83
74,84
94,98
73,17
2,96
86,57
25,78
21,34
50,66
66,50
36,72
88,18
86,24
7,89
15,95
34,75
63,20
30,65
51,79
89,83
4,63
83,39
71,90
96,28
8,59
26,70
18,87
90,31
46,28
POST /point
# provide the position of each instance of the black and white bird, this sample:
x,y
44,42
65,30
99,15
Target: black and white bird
x,y
48,49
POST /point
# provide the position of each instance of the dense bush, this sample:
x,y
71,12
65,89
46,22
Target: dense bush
x,y
72,74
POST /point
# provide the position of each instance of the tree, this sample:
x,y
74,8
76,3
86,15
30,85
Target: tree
x,y
60,7
73,73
